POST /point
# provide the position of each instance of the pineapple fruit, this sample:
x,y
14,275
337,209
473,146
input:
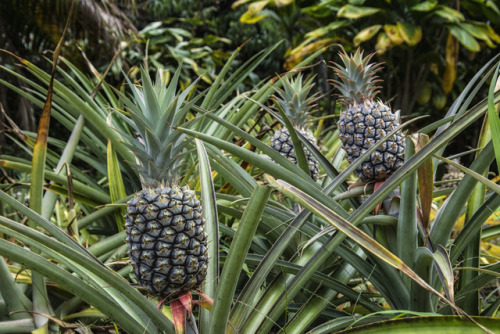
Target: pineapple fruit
x,y
366,120
297,105
453,176
164,225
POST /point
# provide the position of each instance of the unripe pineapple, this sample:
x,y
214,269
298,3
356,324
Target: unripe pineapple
x,y
297,105
364,120
164,224
453,176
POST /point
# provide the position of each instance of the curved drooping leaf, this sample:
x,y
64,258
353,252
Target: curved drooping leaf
x,y
441,324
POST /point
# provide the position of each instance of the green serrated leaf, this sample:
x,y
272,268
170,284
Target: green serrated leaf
x,y
490,184
354,233
493,119
421,325
209,203
446,271
235,259
116,186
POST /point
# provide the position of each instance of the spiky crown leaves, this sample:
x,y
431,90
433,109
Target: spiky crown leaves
x,y
357,79
294,99
153,111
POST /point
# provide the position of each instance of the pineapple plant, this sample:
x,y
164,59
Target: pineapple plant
x,y
164,224
365,120
295,101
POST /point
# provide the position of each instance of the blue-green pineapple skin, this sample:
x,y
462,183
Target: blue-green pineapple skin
x,y
360,127
282,142
167,240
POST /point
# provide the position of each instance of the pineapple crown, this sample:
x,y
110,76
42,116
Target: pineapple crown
x,y
153,111
357,79
294,99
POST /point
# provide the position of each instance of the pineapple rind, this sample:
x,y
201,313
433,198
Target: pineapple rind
x,y
360,127
167,240
282,142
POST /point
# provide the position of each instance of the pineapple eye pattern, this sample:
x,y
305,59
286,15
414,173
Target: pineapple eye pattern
x,y
169,253
282,142
367,129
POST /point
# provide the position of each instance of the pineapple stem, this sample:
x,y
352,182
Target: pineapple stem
x,y
179,315
179,306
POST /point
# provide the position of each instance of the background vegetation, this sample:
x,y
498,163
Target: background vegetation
x,y
300,271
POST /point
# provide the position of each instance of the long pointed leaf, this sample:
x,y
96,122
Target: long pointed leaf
x,y
237,252
116,186
212,228
354,233
493,116
69,282
407,233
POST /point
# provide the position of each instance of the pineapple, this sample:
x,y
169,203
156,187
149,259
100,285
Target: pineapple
x,y
453,176
365,120
294,101
164,225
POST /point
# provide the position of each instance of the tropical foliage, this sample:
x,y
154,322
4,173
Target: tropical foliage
x,y
430,47
288,253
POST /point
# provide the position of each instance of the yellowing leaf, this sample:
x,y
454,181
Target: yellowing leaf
x,y
281,3
251,19
355,12
383,43
251,15
366,34
41,330
411,34
490,249
451,56
299,53
257,6
238,3
460,223
392,32
320,32
494,219
493,35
